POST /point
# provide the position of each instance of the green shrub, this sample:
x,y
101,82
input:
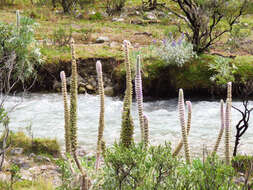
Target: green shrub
x,y
19,53
155,168
96,16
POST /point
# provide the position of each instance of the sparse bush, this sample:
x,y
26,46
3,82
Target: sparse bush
x,y
237,35
176,52
61,37
114,6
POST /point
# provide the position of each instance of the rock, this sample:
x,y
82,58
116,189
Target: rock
x,y
5,176
81,152
21,162
56,85
114,44
150,16
81,90
109,91
118,19
40,158
32,155
17,151
89,87
102,39
239,180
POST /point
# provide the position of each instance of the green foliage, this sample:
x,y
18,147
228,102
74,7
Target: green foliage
x,y
242,163
61,37
19,48
38,184
66,175
96,16
244,66
14,170
224,70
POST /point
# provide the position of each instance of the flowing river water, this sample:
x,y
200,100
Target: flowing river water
x,y
44,112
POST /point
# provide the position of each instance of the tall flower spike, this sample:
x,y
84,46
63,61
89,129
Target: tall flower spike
x,y
180,145
66,112
182,122
128,73
73,100
127,127
146,130
228,122
222,116
139,96
102,112
73,117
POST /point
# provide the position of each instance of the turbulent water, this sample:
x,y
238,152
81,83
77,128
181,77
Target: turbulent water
x,y
44,112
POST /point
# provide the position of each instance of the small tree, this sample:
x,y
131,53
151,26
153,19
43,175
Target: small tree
x,y
243,124
208,20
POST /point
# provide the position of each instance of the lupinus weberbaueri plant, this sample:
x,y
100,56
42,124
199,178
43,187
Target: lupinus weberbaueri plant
x,y
181,108
127,127
228,122
146,130
73,117
222,116
66,112
102,111
73,100
179,146
139,95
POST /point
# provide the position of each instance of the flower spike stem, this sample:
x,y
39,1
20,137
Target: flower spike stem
x,y
181,107
102,112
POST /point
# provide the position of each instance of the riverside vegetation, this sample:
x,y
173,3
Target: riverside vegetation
x,y
129,164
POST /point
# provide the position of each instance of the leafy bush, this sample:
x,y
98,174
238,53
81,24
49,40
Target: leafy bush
x,y
155,168
19,53
224,69
176,52
96,16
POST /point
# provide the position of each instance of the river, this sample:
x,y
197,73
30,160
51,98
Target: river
x,y
44,112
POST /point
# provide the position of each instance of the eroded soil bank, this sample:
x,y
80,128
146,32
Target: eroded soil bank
x,y
159,82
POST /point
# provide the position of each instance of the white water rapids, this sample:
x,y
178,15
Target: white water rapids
x,y
45,113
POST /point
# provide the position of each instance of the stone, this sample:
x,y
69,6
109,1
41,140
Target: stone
x,y
32,155
40,158
21,162
17,151
5,176
81,90
151,16
114,44
118,19
102,39
90,87
109,91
